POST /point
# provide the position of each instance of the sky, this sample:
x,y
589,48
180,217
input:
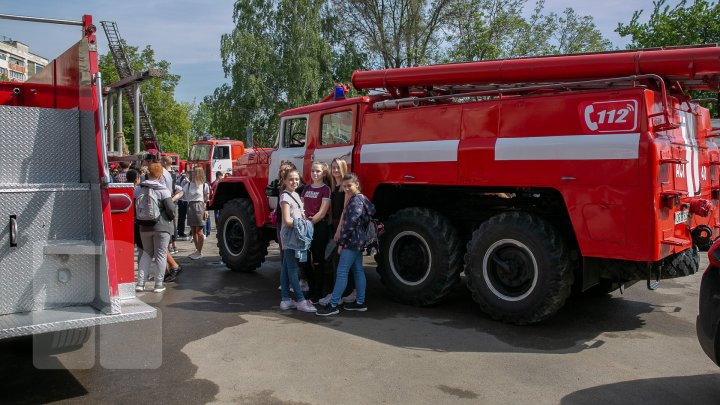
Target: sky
x,y
187,33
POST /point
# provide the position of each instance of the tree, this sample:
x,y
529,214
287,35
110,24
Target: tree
x,y
397,33
277,57
170,118
495,29
697,23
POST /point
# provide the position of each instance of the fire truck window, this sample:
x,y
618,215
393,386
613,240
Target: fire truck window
x,y
294,132
336,128
221,152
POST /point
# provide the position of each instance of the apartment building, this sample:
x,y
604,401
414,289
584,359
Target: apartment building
x,y
17,62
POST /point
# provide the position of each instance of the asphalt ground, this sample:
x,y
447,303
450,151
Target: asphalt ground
x,y
220,337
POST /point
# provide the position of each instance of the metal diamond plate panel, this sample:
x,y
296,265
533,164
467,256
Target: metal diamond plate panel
x,y
88,154
39,145
29,279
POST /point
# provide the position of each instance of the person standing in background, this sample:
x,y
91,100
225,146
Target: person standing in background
x,y
197,192
182,208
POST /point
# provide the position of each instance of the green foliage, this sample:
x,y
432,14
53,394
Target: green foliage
x,y
685,24
170,118
697,23
495,29
397,33
280,55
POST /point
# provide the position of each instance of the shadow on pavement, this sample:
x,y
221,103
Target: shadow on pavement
x,y
694,389
24,384
578,326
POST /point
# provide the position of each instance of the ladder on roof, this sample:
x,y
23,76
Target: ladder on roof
x,y
122,64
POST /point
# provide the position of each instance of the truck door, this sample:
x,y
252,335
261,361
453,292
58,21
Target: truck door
x,y
336,136
221,160
290,146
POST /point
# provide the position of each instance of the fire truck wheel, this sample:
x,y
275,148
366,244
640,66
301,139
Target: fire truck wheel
x,y
242,246
682,264
420,256
518,268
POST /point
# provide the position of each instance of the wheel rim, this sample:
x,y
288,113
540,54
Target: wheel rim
x,y
234,236
410,258
510,270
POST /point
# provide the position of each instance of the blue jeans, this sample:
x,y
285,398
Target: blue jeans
x,y
289,275
207,226
350,260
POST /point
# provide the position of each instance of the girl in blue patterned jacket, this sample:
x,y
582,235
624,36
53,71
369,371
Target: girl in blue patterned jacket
x,y
351,242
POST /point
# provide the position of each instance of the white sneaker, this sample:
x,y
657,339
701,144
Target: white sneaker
x,y
350,298
305,306
325,300
287,304
195,256
304,286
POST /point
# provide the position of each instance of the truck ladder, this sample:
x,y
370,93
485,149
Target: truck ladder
x,y
122,64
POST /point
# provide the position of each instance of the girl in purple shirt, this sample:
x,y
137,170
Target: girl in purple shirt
x,y
316,198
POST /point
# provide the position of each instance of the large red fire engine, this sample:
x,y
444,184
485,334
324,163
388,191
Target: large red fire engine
x,y
533,176
215,155
67,258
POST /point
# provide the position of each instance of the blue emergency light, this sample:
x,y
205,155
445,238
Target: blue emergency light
x,y
339,92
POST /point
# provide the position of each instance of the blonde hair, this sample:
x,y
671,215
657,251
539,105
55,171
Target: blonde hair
x,y
155,170
326,177
342,166
198,176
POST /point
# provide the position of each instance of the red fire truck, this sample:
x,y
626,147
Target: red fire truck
x,y
215,155
534,176
67,258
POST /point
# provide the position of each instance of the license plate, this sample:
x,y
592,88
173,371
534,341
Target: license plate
x,y
681,217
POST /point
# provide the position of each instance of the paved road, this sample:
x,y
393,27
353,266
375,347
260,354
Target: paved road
x,y
221,338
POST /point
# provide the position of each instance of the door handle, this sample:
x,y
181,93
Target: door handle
x,y
299,156
13,231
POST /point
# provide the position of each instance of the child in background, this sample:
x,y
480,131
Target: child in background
x,y
316,199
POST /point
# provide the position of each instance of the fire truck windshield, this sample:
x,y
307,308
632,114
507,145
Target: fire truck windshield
x,y
200,152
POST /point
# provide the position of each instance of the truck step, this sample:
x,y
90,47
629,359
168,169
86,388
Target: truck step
x,y
51,320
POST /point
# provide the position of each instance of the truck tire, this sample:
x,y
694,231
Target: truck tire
x,y
420,256
242,246
518,268
683,264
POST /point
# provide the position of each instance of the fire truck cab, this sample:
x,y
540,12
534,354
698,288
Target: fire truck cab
x,y
215,155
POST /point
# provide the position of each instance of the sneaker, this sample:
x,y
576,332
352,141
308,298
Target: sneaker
x,y
173,274
195,256
304,286
305,306
287,304
184,238
140,288
355,306
325,300
350,298
159,288
327,310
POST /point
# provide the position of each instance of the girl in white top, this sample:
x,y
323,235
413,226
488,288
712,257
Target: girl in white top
x,y
291,207
196,193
